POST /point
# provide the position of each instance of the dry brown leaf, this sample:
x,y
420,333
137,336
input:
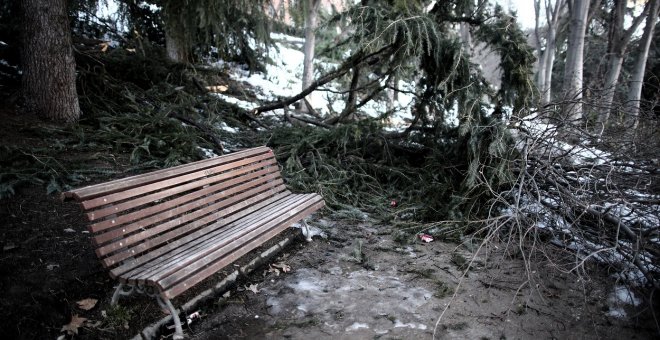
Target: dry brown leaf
x,y
285,267
87,304
72,327
272,269
253,288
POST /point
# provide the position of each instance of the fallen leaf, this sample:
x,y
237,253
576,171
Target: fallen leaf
x,y
253,288
72,327
271,269
227,294
87,304
217,88
285,267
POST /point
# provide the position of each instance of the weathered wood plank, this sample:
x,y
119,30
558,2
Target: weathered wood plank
x,y
127,269
172,208
228,234
92,191
164,194
170,182
166,231
244,248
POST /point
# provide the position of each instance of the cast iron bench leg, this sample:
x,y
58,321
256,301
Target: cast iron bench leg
x,y
164,303
305,231
167,304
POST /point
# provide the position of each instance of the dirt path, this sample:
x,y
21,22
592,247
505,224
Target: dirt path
x,y
357,283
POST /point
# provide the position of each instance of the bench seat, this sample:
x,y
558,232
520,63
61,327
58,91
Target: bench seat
x,y
171,229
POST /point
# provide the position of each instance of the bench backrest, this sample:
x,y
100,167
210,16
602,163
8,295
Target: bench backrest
x,y
140,214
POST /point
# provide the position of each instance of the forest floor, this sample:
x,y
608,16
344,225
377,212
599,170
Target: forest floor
x,y
353,281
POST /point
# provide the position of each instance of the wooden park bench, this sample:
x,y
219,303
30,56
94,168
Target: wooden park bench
x,y
163,232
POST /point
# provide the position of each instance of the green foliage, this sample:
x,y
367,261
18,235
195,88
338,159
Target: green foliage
x,y
225,28
126,127
516,57
447,171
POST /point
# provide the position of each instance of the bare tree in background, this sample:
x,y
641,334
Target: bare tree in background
x,y
49,69
618,41
635,89
553,12
311,16
579,12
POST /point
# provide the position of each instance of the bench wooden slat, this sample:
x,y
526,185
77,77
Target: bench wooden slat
x,y
92,191
172,228
214,267
164,194
201,198
126,269
228,234
170,182
163,232
223,245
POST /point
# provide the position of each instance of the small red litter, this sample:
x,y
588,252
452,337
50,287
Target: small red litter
x,y
393,204
426,238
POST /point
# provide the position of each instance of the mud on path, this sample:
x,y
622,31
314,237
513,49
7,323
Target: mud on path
x,y
355,282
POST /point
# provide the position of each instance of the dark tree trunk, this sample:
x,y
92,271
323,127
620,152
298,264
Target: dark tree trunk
x,y
49,69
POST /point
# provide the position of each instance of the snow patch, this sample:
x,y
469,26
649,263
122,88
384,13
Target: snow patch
x,y
357,325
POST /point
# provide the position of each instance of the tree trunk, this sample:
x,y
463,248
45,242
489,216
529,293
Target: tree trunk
x,y
177,47
177,32
308,49
574,59
547,56
635,89
542,55
618,41
49,69
466,37
549,64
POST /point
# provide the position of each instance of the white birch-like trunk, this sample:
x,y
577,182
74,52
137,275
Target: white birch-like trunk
x,y
540,73
547,56
308,49
619,38
574,59
635,88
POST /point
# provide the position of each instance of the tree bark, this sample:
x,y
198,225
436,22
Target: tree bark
x,y
176,47
177,32
635,89
540,74
619,38
579,11
547,56
308,50
49,69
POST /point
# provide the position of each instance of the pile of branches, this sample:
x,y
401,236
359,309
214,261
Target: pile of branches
x,y
592,196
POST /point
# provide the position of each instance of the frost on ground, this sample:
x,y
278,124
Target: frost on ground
x,y
398,292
